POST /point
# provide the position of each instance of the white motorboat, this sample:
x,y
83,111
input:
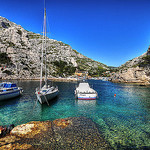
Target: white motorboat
x,y
85,92
47,92
9,90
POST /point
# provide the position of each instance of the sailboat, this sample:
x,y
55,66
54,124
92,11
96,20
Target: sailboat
x,y
46,92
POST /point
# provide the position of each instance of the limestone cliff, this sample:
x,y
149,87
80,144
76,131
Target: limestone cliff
x,y
136,70
23,48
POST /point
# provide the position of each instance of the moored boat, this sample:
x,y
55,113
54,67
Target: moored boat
x,y
48,91
9,90
85,92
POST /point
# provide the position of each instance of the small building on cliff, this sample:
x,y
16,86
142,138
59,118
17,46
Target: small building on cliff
x,y
81,73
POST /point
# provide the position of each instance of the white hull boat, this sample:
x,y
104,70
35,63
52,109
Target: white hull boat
x,y
85,92
9,90
47,92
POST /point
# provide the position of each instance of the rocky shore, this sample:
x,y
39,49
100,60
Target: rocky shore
x,y
136,70
137,75
63,79
51,79
65,134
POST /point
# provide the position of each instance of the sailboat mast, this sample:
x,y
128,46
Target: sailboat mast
x,y
41,72
45,31
43,51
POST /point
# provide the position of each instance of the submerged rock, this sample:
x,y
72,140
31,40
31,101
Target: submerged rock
x,y
22,129
69,133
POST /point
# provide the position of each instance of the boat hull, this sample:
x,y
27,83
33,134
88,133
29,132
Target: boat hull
x,y
10,94
86,96
46,97
85,92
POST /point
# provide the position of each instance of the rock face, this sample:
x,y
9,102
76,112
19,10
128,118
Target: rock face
x,y
136,70
24,50
70,133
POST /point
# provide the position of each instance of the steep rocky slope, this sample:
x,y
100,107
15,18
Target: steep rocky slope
x,y
136,70
23,50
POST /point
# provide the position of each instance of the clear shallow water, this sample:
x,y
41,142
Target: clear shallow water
x,y
124,120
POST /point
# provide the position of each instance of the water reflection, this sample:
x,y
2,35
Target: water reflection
x,y
85,103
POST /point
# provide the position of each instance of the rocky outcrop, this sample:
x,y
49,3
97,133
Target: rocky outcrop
x,y
24,50
136,70
70,133
132,75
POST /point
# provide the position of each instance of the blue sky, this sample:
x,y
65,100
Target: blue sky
x,y
108,31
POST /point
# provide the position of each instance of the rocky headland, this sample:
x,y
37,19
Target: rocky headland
x,y
136,70
70,133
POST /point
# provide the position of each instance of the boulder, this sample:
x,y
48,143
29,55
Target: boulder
x,y
69,133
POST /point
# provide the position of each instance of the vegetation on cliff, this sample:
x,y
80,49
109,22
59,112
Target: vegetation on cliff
x,y
23,49
146,61
4,59
63,69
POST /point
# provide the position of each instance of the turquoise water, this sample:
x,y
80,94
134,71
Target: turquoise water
x,y
124,120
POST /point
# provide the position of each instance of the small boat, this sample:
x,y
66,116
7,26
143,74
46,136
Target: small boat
x,y
85,92
9,90
47,92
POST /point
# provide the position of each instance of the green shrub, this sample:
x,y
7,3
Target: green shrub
x,y
75,51
96,72
11,44
7,72
4,59
145,62
64,68
19,32
23,43
62,44
33,36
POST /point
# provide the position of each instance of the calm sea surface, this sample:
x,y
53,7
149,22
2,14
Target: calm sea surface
x,y
124,120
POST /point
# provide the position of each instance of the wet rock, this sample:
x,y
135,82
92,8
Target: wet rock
x,y
4,130
62,123
22,129
69,133
16,146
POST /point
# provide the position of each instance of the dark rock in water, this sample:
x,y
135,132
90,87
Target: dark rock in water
x,y
4,130
65,134
10,127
